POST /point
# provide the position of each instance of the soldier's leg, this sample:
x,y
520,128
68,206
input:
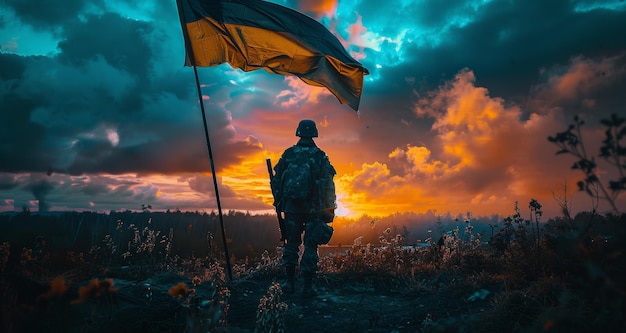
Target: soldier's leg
x,y
308,265
290,251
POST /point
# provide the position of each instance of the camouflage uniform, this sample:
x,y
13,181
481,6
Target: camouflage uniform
x,y
296,224
302,215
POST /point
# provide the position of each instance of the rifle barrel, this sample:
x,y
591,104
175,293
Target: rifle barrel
x,y
281,222
269,168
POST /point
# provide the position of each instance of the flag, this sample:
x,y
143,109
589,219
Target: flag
x,y
254,34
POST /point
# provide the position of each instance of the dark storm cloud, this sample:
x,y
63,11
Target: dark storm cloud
x,y
515,40
94,189
57,109
42,14
12,67
185,153
505,42
48,102
22,142
7,181
123,46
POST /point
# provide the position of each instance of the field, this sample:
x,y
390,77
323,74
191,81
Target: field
x,y
166,272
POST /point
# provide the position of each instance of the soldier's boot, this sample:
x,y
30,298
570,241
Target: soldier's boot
x,y
290,286
308,290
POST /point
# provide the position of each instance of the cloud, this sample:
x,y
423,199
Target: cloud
x,y
44,14
474,129
204,184
483,150
578,84
319,8
299,93
7,181
94,107
417,161
91,186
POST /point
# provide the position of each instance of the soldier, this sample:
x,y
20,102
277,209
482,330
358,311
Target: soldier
x,y
304,191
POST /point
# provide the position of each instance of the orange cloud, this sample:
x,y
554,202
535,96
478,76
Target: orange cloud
x,y
418,160
299,93
483,158
579,79
474,129
319,8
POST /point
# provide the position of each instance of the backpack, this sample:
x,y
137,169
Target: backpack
x,y
298,179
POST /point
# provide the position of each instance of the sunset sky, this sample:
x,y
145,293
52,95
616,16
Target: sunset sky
x,y
98,113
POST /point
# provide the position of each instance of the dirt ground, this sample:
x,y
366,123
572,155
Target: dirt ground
x,y
146,306
357,306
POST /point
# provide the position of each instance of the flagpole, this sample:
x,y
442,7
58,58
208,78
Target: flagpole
x,y
207,139
217,194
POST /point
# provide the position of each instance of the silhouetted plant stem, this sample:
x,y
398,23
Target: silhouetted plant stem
x,y
571,142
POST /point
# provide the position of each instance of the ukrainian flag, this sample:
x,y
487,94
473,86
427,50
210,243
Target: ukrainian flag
x,y
254,34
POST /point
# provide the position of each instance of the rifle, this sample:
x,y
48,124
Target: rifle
x,y
281,221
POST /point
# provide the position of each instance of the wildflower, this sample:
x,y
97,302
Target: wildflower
x,y
270,315
196,281
181,291
95,288
57,288
549,324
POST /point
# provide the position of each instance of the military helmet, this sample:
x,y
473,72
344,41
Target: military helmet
x,y
306,129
